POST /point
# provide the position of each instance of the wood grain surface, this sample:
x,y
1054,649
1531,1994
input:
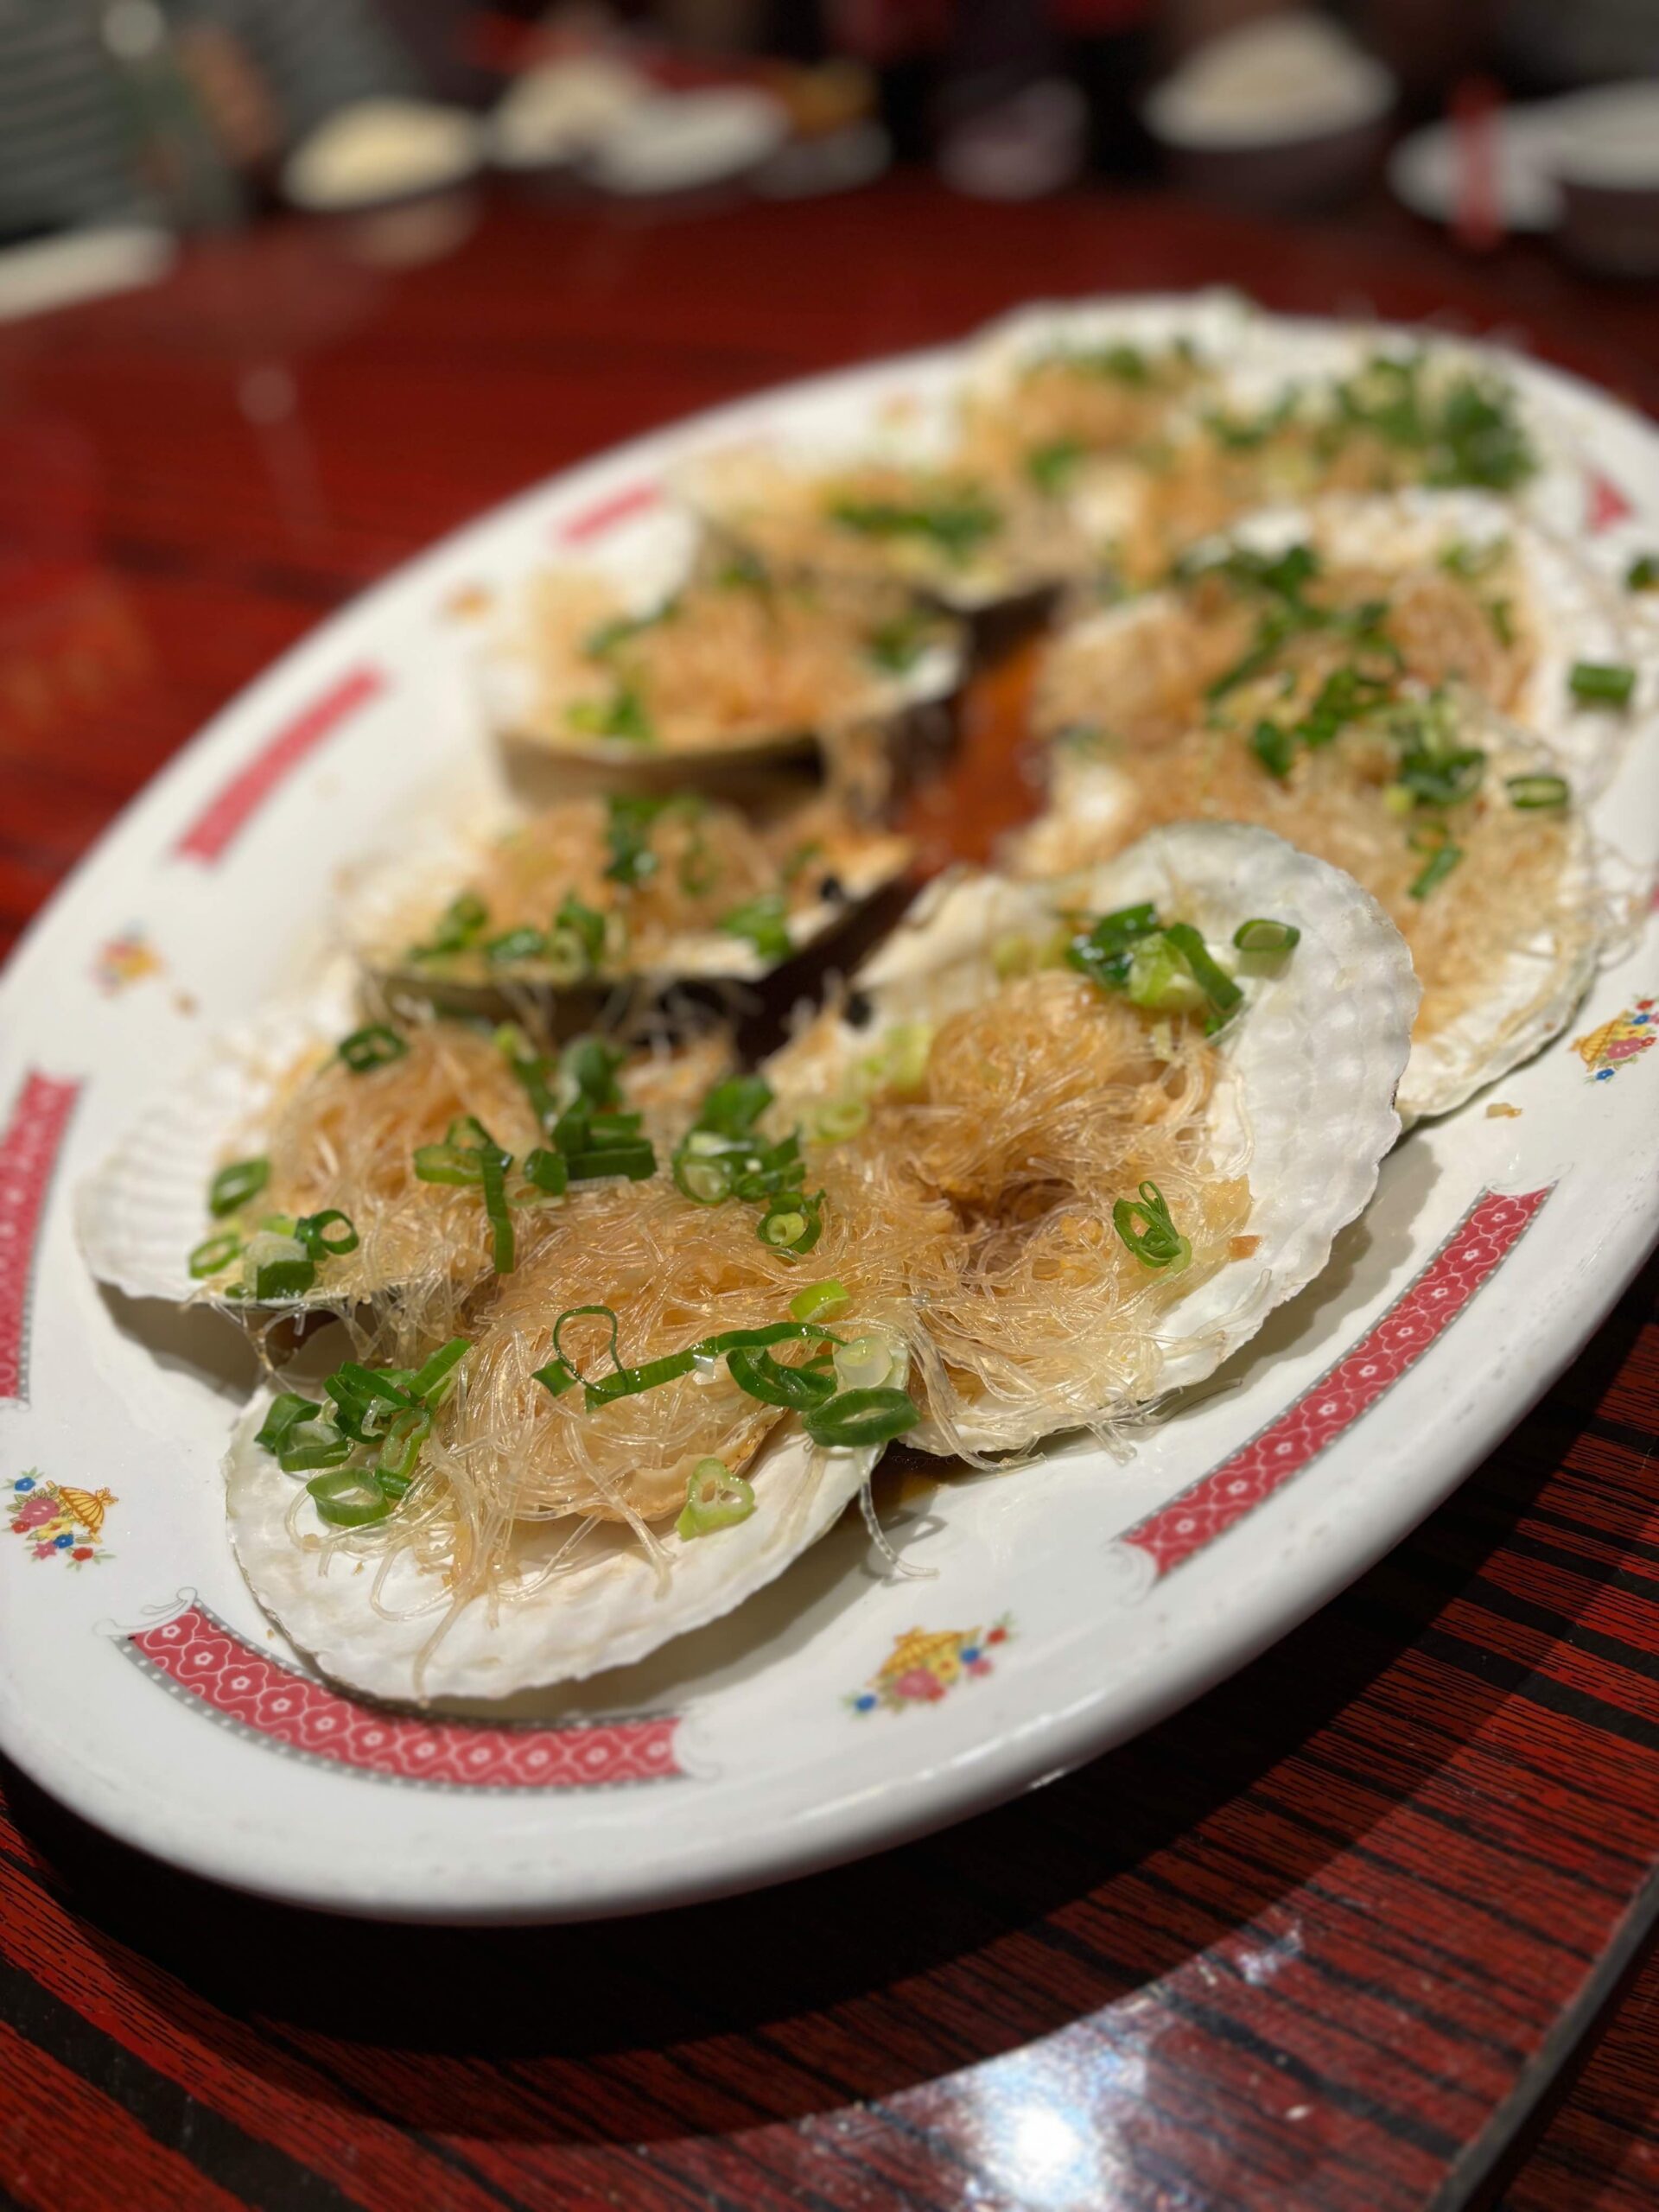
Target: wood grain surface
x,y
1334,1939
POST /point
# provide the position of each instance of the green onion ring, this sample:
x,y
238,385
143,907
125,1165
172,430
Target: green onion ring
x,y
214,1253
233,1186
763,1376
1263,936
374,1046
853,1420
349,1498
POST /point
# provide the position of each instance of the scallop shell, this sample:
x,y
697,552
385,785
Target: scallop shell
x,y
1253,358
732,486
141,1211
1313,1059
644,574
1574,612
1520,1008
606,1607
400,902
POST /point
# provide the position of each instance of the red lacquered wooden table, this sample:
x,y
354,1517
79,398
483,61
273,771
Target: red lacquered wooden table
x,y
1335,1938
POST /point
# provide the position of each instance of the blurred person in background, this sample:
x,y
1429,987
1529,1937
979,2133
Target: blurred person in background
x,y
169,108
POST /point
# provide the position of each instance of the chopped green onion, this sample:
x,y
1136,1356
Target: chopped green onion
x,y
400,1450
366,1400
897,645
1053,466
285,1410
853,1420
214,1253
312,1230
556,1378
233,1186
762,1339
1601,684
791,1223
819,1300
623,715
715,1499
512,945
705,1178
733,1108
1103,952
349,1498
956,521
1275,748
545,1171
504,1253
448,1163
430,1384
840,1119
575,941
1262,936
576,1313
591,1063
634,1381
283,1274
867,1362
1467,562
628,833
768,1378
1642,575
1217,986
1441,862
636,1161
1538,791
461,923
375,1046
1156,1242
311,1444
1160,979
762,922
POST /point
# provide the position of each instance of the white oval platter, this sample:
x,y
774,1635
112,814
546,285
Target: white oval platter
x,y
1048,1613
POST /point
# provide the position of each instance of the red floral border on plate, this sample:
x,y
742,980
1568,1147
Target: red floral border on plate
x,y
28,1154
604,514
1479,1244
225,815
1604,503
196,1656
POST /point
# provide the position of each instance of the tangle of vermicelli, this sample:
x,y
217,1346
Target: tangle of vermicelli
x,y
795,520
729,661
701,860
983,1204
1145,676
335,1139
1198,479
971,1218
1508,890
1093,401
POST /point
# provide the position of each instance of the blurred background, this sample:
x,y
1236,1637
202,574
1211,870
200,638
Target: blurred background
x,y
201,115
290,287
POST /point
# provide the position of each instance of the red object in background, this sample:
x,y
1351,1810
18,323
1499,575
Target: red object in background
x,y
882,32
1477,214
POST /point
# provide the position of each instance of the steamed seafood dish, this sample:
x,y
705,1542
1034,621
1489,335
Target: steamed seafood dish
x,y
594,1254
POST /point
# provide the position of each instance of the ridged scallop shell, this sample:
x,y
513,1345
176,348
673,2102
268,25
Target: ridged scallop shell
x,y
1312,1060
1518,1007
403,898
646,569
1574,612
142,1210
607,1606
